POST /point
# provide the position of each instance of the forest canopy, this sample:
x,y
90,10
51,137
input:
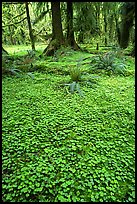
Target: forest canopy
x,y
106,22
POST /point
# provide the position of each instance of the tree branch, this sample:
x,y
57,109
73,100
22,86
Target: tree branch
x,y
40,17
12,24
18,15
15,17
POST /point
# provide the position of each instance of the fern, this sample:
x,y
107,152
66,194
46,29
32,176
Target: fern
x,y
75,74
30,74
17,72
78,77
74,86
9,67
79,90
108,62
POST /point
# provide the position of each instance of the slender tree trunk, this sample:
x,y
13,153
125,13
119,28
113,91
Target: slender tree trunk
x,y
30,28
57,32
97,13
105,28
70,32
11,38
111,29
117,29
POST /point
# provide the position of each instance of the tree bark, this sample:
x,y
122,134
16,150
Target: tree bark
x,y
57,32
30,28
97,13
11,35
117,29
128,12
105,28
70,32
133,51
56,22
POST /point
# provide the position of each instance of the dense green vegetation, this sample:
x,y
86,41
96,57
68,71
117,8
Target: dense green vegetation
x,y
59,146
68,102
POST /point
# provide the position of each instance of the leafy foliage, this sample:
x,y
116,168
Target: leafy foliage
x,y
74,86
59,147
75,74
9,67
108,62
84,22
89,23
79,77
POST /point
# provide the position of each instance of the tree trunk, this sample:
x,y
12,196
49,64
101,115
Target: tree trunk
x,y
70,32
11,34
57,32
133,51
117,29
111,23
30,28
56,22
105,28
128,12
97,13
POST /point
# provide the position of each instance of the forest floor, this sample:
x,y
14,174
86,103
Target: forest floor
x,y
59,146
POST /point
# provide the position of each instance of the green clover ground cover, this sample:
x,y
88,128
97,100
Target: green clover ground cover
x,y
61,147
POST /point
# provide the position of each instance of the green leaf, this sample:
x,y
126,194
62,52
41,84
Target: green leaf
x,y
24,190
30,74
79,90
72,87
61,198
37,184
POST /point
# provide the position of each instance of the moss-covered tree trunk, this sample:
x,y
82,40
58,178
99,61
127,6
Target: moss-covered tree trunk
x,y
133,51
57,32
11,35
105,27
30,27
117,28
128,11
70,32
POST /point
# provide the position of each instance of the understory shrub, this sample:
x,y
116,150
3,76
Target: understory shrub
x,y
10,67
75,74
109,63
62,52
77,77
